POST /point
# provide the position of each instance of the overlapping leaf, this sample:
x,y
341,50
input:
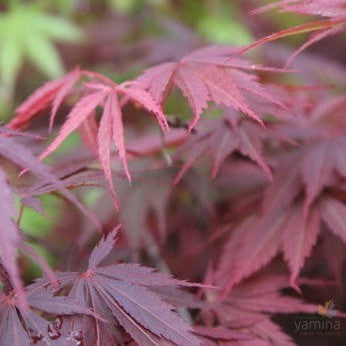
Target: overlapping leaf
x,y
50,94
329,9
208,75
141,197
286,224
246,311
121,294
311,168
334,12
98,94
19,327
315,116
22,157
219,138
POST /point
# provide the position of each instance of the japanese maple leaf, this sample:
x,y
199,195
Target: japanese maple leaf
x,y
24,158
50,94
121,294
21,156
103,92
147,204
208,75
247,309
314,69
288,221
333,11
287,229
27,327
219,138
328,9
314,167
316,116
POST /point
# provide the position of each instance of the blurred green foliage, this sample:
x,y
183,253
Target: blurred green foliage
x,y
26,33
38,226
218,21
224,30
128,6
35,224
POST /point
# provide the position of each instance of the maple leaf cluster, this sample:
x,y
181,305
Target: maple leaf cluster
x,y
243,197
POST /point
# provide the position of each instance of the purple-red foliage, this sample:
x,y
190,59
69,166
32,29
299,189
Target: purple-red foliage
x,y
240,198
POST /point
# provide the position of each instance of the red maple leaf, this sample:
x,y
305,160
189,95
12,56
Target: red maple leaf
x,y
219,138
103,92
333,10
122,294
207,75
288,222
26,327
244,315
50,94
329,9
22,157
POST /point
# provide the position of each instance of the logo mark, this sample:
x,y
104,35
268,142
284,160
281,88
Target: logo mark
x,y
327,309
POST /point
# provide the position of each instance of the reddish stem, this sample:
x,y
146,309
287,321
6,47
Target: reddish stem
x,y
5,278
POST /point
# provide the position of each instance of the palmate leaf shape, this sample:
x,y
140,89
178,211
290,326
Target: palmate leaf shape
x,y
333,11
9,236
102,92
246,311
219,138
312,168
26,327
26,32
121,294
324,117
208,75
285,226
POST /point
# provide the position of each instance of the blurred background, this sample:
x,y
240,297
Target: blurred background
x,y
43,39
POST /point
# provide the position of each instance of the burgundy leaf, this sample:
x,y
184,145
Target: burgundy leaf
x,y
333,213
134,305
53,91
22,157
206,75
78,114
9,236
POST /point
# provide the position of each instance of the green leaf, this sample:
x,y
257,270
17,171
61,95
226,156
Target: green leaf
x,y
58,29
43,54
222,29
37,225
27,32
124,6
11,57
